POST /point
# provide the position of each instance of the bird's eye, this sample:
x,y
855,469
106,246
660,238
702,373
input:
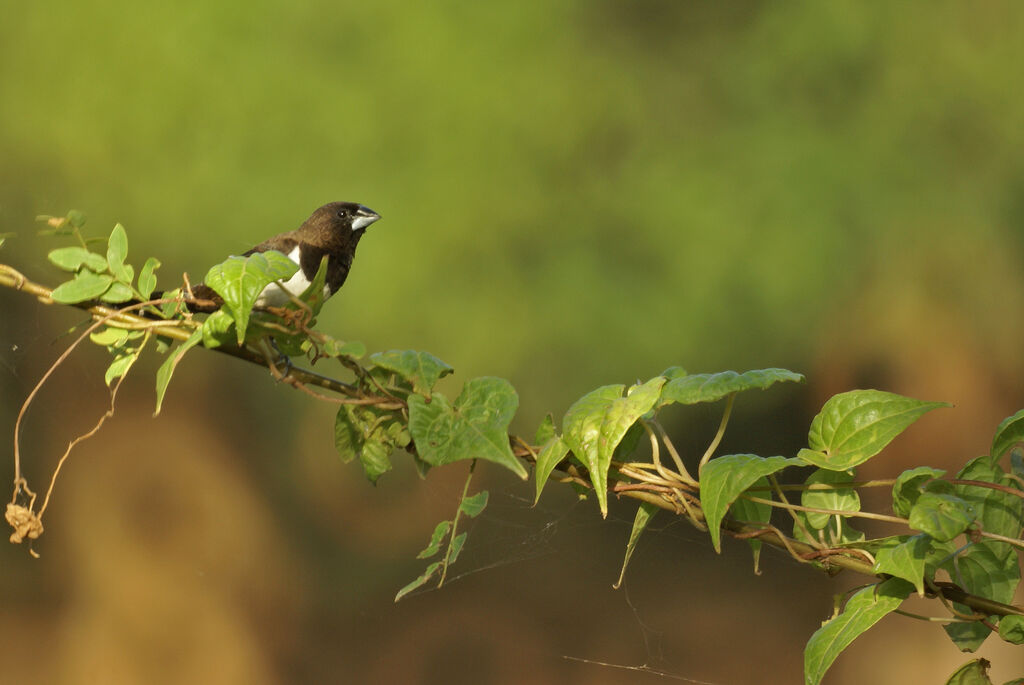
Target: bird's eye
x,y
342,213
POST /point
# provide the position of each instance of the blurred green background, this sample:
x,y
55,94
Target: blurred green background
x,y
574,193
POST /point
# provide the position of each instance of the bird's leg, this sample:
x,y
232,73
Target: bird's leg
x,y
269,350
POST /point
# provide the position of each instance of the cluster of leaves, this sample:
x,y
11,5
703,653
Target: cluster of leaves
x,y
963,531
957,536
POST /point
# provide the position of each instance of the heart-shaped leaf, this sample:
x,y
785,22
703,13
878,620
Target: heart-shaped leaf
x,y
854,426
474,427
240,280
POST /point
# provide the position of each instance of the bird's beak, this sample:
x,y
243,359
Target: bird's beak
x,y
364,217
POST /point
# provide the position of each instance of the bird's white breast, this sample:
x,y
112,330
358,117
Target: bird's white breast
x,y
273,296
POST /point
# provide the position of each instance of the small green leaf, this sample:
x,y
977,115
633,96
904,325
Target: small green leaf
x,y
375,458
1009,433
854,426
723,479
865,609
240,280
845,499
967,637
364,432
422,580
644,513
73,258
905,560
941,516
999,512
581,427
313,295
983,570
108,336
596,423
710,387
474,427
218,329
436,539
166,370
456,548
972,673
422,369
120,366
472,506
76,218
619,417
545,431
550,455
339,348
754,512
147,277
86,285
909,486
1011,629
117,250
117,293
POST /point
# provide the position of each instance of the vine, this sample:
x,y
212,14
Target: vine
x,y
954,538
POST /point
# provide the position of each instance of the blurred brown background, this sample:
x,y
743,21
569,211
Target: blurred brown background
x,y
574,193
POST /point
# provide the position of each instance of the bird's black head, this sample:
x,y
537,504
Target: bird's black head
x,y
343,219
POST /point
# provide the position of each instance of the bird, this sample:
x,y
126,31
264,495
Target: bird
x,y
333,230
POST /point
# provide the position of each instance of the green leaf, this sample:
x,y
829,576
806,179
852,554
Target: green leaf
x,y
218,329
456,548
865,609
673,372
121,364
845,499
365,433
109,336
754,512
968,637
909,486
339,348
999,512
86,285
618,419
472,506
596,423
423,579
76,218
422,369
854,426
550,455
73,258
710,387
724,478
905,560
116,293
166,370
313,295
941,516
983,570
1009,433
240,280
644,513
147,277
440,533
972,673
117,250
1011,629
545,431
475,427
